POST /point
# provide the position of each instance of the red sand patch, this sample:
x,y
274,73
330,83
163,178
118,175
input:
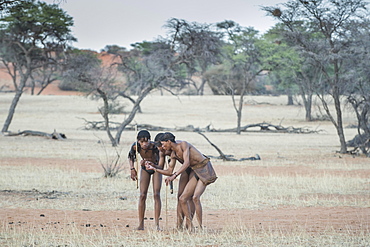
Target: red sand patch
x,y
312,219
78,165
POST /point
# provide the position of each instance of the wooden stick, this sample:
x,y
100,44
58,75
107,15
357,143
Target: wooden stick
x,y
166,167
137,160
166,207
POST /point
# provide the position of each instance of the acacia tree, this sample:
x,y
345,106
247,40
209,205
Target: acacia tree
x,y
292,71
199,46
49,71
86,73
166,64
149,66
30,32
358,93
324,40
244,56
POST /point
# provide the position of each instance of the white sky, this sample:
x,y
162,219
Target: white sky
x,y
98,23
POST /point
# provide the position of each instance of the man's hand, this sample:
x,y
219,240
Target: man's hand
x,y
142,162
133,174
169,179
148,165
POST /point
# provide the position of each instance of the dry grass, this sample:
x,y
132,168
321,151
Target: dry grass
x,y
298,172
231,236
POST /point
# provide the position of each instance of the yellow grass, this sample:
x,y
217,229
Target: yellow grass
x,y
333,180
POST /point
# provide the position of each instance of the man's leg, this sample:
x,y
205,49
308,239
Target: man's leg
x,y
144,184
184,199
199,189
157,184
184,178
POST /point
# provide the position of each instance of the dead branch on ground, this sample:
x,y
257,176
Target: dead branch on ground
x,y
228,157
258,127
54,135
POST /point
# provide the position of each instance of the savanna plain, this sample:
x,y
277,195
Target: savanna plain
x,y
300,193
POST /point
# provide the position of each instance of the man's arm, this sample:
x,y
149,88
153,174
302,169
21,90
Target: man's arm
x,y
162,160
131,161
185,147
168,172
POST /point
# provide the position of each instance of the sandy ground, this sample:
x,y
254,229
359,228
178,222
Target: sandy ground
x,y
351,220
312,219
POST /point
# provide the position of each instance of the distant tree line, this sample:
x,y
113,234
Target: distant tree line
x,y
318,48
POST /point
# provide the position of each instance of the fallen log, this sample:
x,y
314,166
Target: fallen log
x,y
263,127
54,135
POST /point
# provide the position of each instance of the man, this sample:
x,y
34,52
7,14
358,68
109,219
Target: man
x,y
184,179
203,174
148,152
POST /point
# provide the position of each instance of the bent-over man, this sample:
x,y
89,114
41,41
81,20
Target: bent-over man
x,y
203,174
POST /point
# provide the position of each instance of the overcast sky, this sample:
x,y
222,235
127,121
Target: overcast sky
x,y
98,23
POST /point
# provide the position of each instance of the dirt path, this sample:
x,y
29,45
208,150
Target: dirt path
x,y
313,219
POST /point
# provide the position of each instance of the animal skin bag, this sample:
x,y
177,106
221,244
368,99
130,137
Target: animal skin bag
x,y
205,171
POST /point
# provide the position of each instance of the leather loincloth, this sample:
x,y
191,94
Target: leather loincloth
x,y
205,171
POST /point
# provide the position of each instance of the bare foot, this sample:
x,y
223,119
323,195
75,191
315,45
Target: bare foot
x,y
140,228
190,227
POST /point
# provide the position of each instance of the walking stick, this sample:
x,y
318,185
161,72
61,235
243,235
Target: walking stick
x,y
137,160
166,207
171,183
171,189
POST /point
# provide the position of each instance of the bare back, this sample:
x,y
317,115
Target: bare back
x,y
185,152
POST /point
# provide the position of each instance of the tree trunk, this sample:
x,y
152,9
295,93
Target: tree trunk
x,y
132,100
290,98
43,86
339,126
239,120
336,96
308,107
132,114
240,110
33,85
201,88
11,112
105,114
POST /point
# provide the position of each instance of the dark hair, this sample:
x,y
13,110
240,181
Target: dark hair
x,y
143,134
168,136
158,139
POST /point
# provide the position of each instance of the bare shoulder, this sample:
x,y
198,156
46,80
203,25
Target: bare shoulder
x,y
184,144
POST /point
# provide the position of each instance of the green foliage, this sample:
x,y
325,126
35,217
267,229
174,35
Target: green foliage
x,y
151,65
198,47
243,58
114,49
216,77
281,59
33,33
322,32
81,71
37,22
